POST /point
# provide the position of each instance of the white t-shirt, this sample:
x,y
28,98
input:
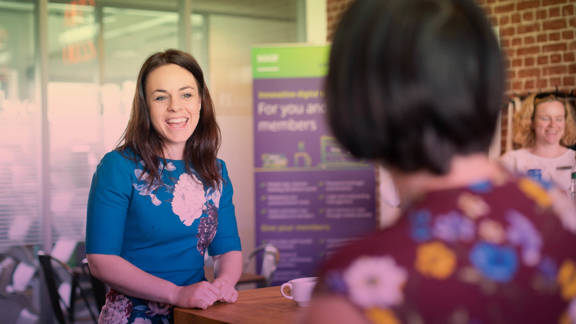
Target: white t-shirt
x,y
557,169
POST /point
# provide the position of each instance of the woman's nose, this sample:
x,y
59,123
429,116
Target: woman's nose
x,y
174,104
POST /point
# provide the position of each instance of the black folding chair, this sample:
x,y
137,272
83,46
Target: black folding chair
x,y
55,272
98,287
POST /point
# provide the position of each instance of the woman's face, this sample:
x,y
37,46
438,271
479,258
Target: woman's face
x,y
174,101
549,122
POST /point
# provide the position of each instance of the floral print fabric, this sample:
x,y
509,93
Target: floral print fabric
x,y
190,200
122,309
488,253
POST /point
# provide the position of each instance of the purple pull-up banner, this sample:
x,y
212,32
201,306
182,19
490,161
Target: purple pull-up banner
x,y
311,196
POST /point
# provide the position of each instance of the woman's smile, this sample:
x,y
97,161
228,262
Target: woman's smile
x,y
177,122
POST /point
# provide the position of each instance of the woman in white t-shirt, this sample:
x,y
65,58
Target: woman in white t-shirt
x,y
544,128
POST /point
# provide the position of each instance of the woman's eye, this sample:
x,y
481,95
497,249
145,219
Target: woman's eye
x,y
187,95
159,98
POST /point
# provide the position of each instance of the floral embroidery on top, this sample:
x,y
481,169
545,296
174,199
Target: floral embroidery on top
x,y
522,233
169,166
144,188
435,260
572,311
498,263
158,309
213,195
188,201
481,186
473,206
487,240
420,229
117,309
533,190
207,228
209,225
491,231
453,227
122,309
381,316
566,278
375,281
548,268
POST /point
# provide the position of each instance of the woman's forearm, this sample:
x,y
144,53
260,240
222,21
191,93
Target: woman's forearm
x,y
228,267
128,279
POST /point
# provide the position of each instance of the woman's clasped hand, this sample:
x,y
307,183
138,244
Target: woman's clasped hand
x,y
204,294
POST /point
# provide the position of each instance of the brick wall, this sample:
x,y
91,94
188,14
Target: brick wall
x,y
538,36
539,39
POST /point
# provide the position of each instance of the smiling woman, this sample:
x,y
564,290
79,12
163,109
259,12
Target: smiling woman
x,y
172,95
545,127
162,199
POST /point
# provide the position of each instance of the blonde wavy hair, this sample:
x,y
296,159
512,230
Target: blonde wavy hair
x,y
524,134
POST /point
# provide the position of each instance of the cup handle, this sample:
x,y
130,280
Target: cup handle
x,y
289,286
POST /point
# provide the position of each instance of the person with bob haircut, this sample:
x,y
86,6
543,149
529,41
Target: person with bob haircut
x,y
545,128
417,85
162,199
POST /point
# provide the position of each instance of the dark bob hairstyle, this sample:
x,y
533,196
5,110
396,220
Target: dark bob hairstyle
x,y
412,83
141,137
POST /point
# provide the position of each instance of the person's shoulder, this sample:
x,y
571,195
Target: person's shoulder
x,y
221,163
511,159
516,153
118,155
564,208
547,199
118,158
222,166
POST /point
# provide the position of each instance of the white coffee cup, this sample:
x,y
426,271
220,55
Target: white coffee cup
x,y
300,290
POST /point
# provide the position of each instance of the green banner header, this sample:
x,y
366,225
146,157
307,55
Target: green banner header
x,y
290,61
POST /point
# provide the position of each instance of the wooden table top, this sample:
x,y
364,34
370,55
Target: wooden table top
x,y
254,306
246,277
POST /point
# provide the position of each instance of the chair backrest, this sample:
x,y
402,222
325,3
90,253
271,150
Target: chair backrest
x,y
270,256
62,283
51,280
98,287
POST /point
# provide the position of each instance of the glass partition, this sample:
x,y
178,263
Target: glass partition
x,y
19,127
73,113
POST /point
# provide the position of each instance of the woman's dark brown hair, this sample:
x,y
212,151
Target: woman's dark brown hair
x,y
141,137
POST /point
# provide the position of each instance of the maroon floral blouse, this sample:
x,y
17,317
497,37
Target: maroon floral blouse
x,y
488,253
